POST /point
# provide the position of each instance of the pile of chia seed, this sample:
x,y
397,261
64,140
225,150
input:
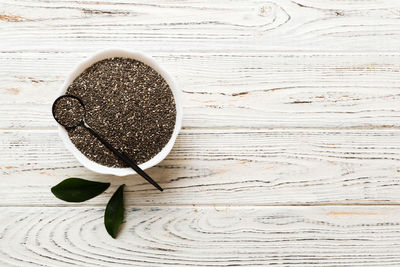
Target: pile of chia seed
x,y
129,104
68,111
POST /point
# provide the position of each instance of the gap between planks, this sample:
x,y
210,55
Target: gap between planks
x,y
203,205
237,130
238,53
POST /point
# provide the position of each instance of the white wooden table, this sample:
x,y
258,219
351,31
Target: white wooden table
x,y
290,151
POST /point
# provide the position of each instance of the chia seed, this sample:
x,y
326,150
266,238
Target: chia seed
x,y
68,111
129,104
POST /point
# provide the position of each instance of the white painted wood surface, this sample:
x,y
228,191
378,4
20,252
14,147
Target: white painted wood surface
x,y
239,167
290,152
274,89
203,236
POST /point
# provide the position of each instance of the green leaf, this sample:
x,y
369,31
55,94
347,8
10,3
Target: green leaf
x,y
78,190
114,214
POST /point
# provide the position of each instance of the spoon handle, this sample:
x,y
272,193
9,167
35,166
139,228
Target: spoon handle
x,y
124,157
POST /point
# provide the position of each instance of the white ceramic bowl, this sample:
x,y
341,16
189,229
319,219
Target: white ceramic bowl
x,y
93,166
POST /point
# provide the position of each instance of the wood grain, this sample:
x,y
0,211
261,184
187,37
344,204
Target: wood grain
x,y
202,236
202,25
290,145
272,167
302,90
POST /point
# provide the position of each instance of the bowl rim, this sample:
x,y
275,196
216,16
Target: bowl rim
x,y
146,59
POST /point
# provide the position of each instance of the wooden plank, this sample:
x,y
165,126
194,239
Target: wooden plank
x,y
340,90
242,167
201,25
202,236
